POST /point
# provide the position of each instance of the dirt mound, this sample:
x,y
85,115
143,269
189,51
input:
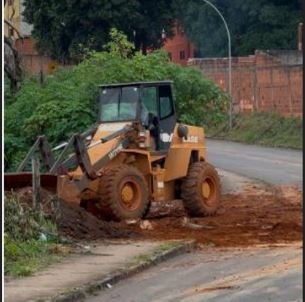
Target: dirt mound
x,y
72,220
254,217
76,222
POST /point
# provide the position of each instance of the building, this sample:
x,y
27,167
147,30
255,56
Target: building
x,y
20,32
179,47
13,13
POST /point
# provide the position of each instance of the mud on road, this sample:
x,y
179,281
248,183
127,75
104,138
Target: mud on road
x,y
255,216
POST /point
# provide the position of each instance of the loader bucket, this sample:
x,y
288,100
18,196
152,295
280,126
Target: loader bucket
x,y
16,180
59,185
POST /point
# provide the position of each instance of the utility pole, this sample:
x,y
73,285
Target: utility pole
x,y
300,36
229,58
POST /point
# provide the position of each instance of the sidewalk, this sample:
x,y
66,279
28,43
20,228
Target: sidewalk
x,y
105,260
77,270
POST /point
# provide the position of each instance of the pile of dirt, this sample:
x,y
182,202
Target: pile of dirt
x,y
256,216
77,223
73,221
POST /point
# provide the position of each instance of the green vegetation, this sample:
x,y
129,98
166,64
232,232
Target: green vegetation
x,y
26,257
64,29
29,239
259,24
267,129
67,102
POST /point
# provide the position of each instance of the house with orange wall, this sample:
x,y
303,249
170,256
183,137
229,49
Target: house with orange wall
x,y
179,48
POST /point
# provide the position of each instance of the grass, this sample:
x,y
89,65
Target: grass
x,y
267,129
26,250
25,258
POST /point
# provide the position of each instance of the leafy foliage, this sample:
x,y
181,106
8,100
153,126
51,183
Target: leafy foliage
x,y
31,240
254,24
22,222
67,102
64,29
22,258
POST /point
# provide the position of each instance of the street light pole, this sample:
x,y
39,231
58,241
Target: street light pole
x,y
229,58
134,33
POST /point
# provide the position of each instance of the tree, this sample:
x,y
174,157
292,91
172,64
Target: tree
x,y
254,24
64,29
12,66
67,102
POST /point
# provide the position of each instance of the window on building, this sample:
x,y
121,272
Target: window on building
x,y
182,55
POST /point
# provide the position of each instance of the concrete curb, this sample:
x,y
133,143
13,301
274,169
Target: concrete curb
x,y
91,288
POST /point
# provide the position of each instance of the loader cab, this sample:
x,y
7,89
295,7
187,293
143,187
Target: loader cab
x,y
150,103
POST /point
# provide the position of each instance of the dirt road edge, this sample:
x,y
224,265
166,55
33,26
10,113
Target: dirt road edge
x,y
163,252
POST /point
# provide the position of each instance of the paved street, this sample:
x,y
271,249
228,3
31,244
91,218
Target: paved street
x,y
272,165
225,275
266,274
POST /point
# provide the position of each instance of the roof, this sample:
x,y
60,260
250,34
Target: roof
x,y
168,82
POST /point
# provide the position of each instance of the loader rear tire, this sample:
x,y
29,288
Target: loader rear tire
x,y
123,193
200,190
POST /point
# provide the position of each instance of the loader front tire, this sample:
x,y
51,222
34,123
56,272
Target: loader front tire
x,y
123,193
200,190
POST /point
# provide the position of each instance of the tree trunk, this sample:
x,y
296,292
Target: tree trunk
x,y
12,66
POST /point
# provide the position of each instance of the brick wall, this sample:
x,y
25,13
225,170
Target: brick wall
x,y
32,62
266,81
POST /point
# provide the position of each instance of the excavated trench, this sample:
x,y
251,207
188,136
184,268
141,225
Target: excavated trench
x,y
255,216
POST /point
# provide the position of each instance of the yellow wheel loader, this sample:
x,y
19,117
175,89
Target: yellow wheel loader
x,y
137,153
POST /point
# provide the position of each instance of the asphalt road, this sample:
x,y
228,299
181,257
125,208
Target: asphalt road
x,y
272,165
268,274
251,275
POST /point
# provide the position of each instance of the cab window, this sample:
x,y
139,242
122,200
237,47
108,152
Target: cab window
x,y
149,99
166,103
119,104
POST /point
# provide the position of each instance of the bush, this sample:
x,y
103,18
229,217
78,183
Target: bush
x,y
24,251
67,102
22,222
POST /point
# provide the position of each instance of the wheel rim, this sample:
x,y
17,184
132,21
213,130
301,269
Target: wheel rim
x,y
130,195
127,193
208,190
